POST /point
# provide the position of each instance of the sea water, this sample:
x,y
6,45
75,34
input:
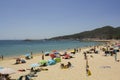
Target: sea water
x,y
10,48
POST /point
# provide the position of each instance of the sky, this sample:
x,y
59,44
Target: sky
x,y
41,19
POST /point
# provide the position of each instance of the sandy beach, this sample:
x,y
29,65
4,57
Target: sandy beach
x,y
101,67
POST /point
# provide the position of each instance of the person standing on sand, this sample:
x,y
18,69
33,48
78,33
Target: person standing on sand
x,y
2,57
42,52
43,57
31,55
115,52
85,55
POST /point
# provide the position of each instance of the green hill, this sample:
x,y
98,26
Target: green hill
x,y
106,32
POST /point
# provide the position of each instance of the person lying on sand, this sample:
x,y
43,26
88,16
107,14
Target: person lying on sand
x,y
68,65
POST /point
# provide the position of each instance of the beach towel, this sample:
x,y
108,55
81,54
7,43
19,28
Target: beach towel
x,y
43,69
21,70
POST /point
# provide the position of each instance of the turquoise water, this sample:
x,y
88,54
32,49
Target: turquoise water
x,y
20,47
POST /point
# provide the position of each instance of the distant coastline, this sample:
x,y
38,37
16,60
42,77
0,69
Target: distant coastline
x,y
104,33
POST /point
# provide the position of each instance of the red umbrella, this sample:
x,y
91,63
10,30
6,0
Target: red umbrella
x,y
52,55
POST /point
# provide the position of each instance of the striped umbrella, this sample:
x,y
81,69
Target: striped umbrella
x,y
35,65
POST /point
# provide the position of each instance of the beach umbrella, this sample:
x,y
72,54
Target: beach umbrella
x,y
56,52
52,55
42,62
47,53
57,60
51,62
27,55
7,71
35,65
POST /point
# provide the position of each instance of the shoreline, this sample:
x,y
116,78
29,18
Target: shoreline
x,y
40,53
101,65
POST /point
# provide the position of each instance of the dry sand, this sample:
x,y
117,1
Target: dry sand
x,y
101,67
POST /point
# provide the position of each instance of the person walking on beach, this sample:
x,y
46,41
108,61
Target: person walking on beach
x,y
43,57
85,55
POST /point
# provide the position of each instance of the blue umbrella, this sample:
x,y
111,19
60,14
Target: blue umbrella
x,y
51,62
35,65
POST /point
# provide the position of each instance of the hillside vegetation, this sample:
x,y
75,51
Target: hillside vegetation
x,y
106,32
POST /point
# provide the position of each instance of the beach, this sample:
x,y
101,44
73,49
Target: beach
x,y
101,67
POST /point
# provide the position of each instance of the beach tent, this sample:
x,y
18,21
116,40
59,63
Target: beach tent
x,y
51,62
